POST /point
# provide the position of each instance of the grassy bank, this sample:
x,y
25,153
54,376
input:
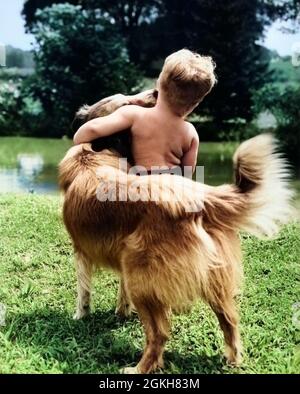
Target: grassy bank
x,y
37,285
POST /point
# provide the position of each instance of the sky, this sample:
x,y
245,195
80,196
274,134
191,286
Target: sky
x,y
12,31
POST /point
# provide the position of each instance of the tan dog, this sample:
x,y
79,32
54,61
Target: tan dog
x,y
167,256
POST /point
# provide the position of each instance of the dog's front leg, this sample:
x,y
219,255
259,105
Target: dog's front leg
x,y
84,276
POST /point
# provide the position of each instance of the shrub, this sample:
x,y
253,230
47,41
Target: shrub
x,y
20,113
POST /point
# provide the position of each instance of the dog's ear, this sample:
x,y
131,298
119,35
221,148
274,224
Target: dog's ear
x,y
81,117
76,123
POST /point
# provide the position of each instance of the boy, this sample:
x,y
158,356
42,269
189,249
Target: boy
x,y
160,135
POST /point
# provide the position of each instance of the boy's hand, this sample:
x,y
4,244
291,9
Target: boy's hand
x,y
114,102
143,99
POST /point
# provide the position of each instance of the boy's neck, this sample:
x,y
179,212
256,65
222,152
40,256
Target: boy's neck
x,y
162,106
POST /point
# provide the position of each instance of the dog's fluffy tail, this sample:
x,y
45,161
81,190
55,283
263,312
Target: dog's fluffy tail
x,y
260,200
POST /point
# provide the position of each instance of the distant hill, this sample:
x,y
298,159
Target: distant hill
x,y
17,58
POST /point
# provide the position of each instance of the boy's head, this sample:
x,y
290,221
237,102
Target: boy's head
x,y
186,78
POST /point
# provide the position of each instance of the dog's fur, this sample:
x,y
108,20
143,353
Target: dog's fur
x,y
166,256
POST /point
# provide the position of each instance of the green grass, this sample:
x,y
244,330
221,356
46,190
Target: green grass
x,y
37,284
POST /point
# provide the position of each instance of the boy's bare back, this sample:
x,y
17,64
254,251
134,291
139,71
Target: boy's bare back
x,y
159,139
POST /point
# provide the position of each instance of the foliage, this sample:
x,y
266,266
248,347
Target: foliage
x,y
127,16
20,112
13,74
31,6
285,9
130,16
217,29
16,57
284,73
79,58
284,104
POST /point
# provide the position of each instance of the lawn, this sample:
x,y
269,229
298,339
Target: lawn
x,y
37,285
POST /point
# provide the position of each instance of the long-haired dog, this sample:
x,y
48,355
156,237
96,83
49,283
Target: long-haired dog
x,y
166,254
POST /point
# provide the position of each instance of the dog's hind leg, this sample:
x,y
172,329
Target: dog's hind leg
x,y
155,319
229,322
84,277
124,305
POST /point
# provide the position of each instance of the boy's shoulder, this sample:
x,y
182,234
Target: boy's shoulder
x,y
131,109
191,130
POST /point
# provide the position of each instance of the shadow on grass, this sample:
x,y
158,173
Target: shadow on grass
x,y
100,343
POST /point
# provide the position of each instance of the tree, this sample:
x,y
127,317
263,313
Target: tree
x,y
80,57
126,15
31,6
283,9
228,31
129,16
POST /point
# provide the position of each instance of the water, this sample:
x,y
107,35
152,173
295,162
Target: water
x,y
31,175
34,175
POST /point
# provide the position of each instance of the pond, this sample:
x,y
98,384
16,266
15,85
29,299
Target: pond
x,y
31,175
29,165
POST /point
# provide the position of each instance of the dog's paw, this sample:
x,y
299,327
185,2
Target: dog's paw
x,y
233,357
130,370
123,310
81,313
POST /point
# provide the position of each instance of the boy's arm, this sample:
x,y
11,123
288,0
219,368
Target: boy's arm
x,y
190,156
119,120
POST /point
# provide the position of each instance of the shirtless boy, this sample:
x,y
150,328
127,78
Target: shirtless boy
x,y
161,137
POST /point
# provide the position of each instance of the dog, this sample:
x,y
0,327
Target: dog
x,y
166,255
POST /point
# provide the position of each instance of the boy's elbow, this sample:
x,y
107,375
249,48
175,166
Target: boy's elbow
x,y
86,133
76,139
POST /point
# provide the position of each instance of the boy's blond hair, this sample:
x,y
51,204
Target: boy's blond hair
x,y
186,78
